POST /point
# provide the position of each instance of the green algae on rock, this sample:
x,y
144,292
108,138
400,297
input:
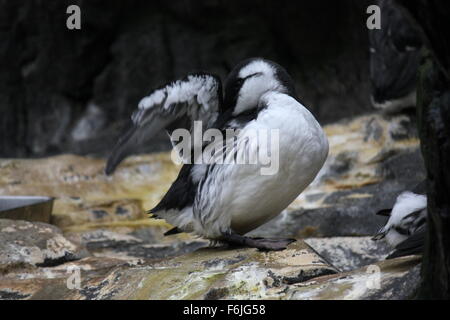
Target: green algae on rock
x,y
219,274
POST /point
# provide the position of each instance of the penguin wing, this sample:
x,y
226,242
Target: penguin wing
x,y
413,245
175,105
183,190
181,193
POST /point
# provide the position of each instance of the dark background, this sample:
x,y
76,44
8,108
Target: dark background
x,y
73,90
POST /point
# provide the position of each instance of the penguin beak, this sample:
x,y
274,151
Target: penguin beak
x,y
380,234
384,212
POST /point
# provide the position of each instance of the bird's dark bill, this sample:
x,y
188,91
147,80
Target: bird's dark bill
x,y
384,212
380,235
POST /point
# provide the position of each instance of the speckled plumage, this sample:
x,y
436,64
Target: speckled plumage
x,y
214,199
406,227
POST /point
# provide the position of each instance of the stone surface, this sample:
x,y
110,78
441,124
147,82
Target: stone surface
x,y
350,253
85,196
396,279
207,273
24,244
295,273
126,246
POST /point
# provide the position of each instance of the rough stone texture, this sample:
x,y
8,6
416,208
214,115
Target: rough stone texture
x,y
26,244
433,110
296,273
105,243
73,91
396,279
350,253
202,274
85,197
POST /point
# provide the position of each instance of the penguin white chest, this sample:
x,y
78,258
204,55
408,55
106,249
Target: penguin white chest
x,y
250,194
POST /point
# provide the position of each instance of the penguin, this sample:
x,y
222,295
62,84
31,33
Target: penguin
x,y
406,227
224,200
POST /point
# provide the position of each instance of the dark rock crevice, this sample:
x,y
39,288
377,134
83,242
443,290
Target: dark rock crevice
x,y
433,109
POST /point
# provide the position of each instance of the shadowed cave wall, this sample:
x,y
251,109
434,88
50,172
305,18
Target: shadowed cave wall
x,y
73,90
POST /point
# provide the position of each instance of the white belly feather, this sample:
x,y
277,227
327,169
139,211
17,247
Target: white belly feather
x,y
239,197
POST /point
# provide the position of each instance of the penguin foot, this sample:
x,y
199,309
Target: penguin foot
x,y
263,244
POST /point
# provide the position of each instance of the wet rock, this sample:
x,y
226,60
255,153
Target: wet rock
x,y
95,212
26,244
350,253
395,279
128,247
85,196
12,295
295,273
206,273
100,239
399,288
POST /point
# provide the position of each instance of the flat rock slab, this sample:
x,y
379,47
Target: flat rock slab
x,y
214,273
26,244
350,253
137,245
85,198
211,273
396,279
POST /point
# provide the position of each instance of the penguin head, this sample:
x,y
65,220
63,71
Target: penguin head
x,y
251,79
408,213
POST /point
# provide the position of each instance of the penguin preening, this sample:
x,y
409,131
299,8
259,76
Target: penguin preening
x,y
406,228
395,52
225,201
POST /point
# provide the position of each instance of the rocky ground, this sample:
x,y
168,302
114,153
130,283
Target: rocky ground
x,y
100,244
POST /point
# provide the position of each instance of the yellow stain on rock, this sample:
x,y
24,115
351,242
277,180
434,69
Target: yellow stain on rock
x,y
84,195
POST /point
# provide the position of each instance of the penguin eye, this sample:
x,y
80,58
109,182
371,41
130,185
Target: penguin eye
x,y
240,81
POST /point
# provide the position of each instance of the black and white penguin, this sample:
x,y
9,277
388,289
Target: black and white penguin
x,y
225,201
406,228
